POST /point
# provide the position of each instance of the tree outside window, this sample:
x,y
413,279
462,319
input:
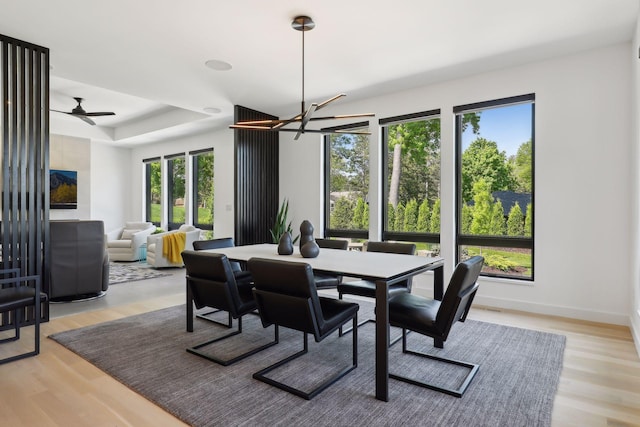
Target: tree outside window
x,y
347,185
153,190
412,180
495,184
176,187
203,190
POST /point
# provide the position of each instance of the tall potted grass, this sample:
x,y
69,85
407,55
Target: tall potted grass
x,y
281,225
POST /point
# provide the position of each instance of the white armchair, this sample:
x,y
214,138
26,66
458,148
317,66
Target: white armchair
x,y
156,242
123,244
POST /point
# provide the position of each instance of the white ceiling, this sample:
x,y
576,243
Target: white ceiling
x,y
144,59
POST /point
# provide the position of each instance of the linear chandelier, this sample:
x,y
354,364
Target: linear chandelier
x,y
300,121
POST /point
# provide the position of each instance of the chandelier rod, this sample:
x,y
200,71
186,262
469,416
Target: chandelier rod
x,y
302,103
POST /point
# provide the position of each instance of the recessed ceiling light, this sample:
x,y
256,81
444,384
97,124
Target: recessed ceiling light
x,y
216,64
212,110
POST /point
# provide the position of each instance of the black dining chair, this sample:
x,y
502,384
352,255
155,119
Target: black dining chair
x,y
211,283
243,277
366,288
17,294
325,280
286,296
435,318
224,242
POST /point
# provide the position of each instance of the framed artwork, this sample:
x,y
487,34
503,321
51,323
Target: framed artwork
x,y
63,187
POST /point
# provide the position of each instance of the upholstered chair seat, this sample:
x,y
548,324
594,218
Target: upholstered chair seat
x,y
124,243
159,255
435,318
211,283
286,296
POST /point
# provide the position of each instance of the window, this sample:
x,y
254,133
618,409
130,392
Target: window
x,y
202,200
153,190
347,185
176,190
495,180
411,180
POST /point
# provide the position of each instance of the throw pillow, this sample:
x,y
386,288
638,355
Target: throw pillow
x,y
127,234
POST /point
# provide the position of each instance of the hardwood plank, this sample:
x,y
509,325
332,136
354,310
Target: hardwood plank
x,y
599,385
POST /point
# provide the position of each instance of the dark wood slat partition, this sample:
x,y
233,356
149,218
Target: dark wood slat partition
x,y
256,180
24,129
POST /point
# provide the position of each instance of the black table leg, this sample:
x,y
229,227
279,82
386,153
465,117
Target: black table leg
x,y
382,340
189,309
438,294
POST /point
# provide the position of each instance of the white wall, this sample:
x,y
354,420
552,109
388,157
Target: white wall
x,y
110,185
103,178
635,223
222,143
70,153
583,178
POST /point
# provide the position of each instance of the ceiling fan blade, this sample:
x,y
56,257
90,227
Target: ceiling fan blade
x,y
103,113
85,119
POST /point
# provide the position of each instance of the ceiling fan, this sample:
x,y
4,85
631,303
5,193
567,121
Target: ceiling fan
x,y
79,112
303,24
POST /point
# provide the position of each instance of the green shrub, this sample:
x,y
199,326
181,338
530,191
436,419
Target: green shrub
x,y
499,262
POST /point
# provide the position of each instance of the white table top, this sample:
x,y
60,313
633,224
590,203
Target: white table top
x,y
373,265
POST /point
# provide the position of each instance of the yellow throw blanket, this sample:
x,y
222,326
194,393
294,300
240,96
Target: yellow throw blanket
x,y
173,245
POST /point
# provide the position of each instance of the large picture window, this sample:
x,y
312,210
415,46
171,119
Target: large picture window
x,y
411,180
495,181
203,191
153,190
347,185
176,190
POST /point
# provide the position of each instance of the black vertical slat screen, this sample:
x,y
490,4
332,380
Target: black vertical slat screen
x,y
24,129
256,180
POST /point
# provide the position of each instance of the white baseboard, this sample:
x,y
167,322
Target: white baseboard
x,y
635,329
548,309
554,310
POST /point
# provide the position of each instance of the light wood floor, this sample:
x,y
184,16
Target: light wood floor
x,y
599,386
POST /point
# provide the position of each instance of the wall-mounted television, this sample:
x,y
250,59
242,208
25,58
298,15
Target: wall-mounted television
x,y
63,187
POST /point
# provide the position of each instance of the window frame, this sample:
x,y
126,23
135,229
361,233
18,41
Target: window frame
x,y
147,174
172,225
493,241
330,232
387,235
194,188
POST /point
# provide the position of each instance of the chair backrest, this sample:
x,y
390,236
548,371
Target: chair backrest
x,y
211,281
78,257
138,225
394,248
459,295
225,242
333,243
286,295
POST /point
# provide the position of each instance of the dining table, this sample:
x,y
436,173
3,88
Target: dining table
x,y
384,269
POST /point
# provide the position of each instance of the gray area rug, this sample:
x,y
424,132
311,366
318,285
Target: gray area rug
x,y
515,386
130,272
